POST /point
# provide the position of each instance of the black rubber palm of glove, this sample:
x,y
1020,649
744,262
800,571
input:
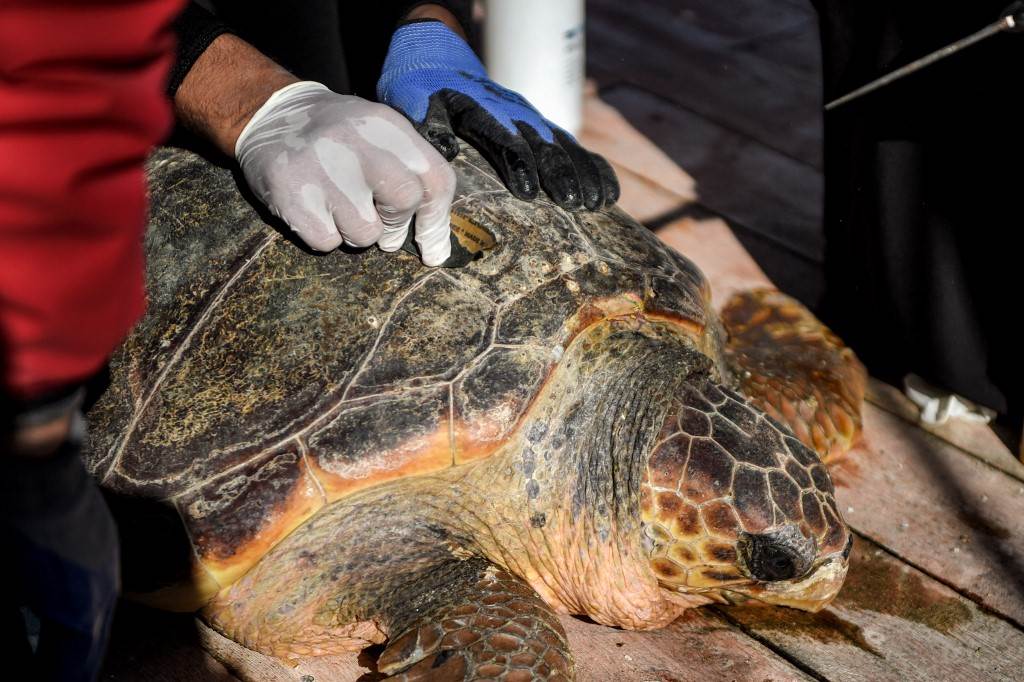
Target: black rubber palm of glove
x,y
571,176
434,78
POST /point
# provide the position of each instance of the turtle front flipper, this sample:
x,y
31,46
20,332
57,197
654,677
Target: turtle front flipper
x,y
795,368
386,566
470,620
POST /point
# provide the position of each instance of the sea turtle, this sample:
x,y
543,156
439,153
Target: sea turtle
x,y
322,452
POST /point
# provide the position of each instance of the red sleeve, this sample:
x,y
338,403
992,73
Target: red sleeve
x,y
81,103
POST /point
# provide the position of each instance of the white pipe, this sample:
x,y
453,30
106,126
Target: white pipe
x,y
535,47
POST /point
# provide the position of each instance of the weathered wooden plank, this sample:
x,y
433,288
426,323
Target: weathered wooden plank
x,y
789,272
793,273
797,48
892,622
643,198
698,646
938,508
738,21
701,645
784,33
706,73
653,187
737,177
720,29
976,439
155,646
922,498
608,133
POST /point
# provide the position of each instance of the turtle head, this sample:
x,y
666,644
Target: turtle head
x,y
734,506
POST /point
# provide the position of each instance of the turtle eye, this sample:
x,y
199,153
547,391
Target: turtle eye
x,y
776,565
777,555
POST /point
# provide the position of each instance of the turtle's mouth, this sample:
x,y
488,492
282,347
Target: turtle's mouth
x,y
812,593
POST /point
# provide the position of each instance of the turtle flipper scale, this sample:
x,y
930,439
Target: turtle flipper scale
x,y
470,620
795,368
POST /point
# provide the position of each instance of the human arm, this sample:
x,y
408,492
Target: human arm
x,y
82,87
336,168
226,85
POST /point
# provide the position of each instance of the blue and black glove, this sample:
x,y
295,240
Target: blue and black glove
x,y
433,77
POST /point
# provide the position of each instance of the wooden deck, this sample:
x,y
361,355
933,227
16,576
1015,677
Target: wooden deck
x,y
936,586
730,91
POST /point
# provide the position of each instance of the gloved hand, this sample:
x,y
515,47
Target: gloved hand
x,y
432,76
340,168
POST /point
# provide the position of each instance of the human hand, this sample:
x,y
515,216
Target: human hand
x,y
339,168
432,76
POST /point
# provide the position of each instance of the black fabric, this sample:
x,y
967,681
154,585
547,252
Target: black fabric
x,y
17,650
194,29
340,45
61,562
34,486
922,214
15,413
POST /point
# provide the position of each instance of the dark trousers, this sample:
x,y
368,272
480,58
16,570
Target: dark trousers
x,y
923,187
60,562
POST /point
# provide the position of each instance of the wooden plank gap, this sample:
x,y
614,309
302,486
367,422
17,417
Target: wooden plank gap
x,y
607,132
767,643
890,622
668,101
937,508
966,594
752,42
782,197
693,210
705,73
698,211
975,439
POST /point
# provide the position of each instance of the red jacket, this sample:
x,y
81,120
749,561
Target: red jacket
x,y
81,102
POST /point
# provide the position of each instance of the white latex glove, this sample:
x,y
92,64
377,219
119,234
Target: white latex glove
x,y
340,168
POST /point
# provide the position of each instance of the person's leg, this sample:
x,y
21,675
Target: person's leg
x,y
916,203
17,648
62,555
68,654
83,104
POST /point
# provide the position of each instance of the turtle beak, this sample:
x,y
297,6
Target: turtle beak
x,y
812,593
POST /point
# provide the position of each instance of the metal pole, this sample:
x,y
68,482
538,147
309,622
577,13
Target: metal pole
x,y
1007,23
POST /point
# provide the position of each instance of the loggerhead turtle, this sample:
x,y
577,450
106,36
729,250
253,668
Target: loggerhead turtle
x,y
322,452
